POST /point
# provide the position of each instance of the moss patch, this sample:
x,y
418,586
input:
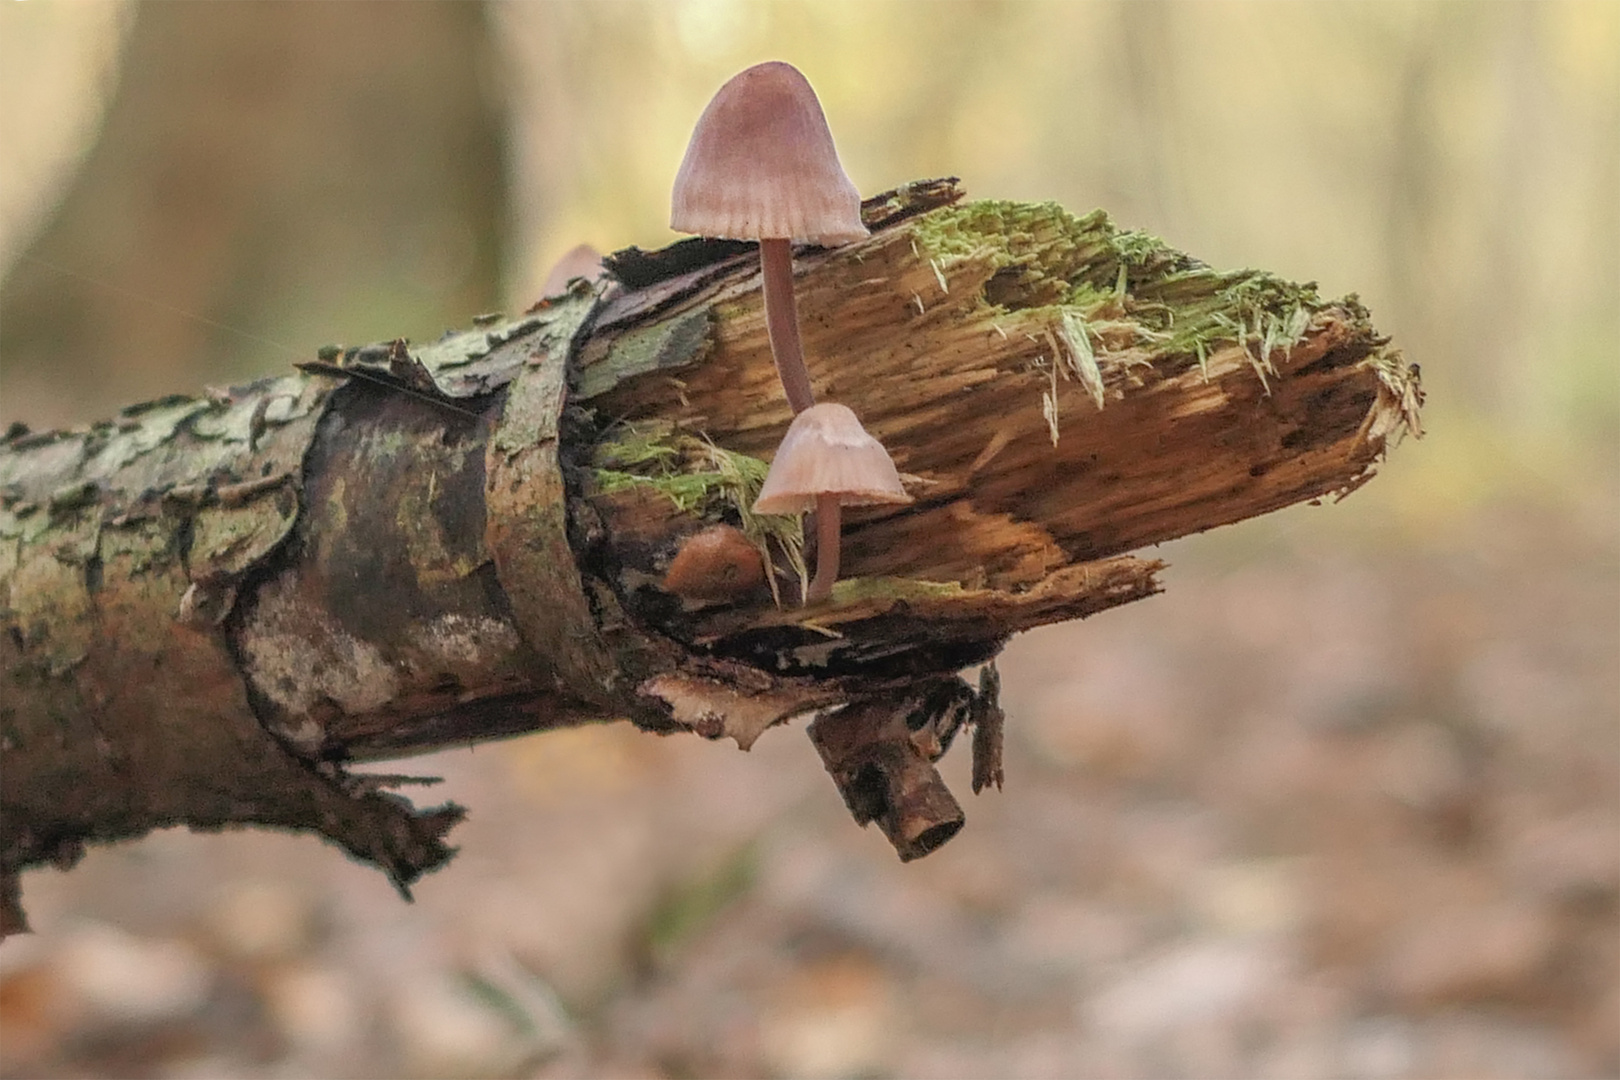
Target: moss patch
x,y
857,590
701,479
1041,255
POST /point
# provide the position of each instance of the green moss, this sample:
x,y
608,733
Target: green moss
x,y
705,481
633,447
1041,255
855,590
701,479
1036,251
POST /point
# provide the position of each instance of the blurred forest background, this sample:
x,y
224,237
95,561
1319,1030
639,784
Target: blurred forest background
x,y
1344,802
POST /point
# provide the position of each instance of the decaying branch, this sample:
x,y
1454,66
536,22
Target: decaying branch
x,y
211,604
880,752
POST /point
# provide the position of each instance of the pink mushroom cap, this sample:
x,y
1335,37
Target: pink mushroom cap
x,y
826,451
580,261
762,165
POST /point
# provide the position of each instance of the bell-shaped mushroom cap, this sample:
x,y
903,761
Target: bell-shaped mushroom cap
x,y
580,261
761,164
827,452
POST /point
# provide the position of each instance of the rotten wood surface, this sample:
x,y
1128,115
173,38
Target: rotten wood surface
x,y
212,603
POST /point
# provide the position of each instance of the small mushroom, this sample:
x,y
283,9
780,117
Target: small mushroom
x,y
580,261
762,166
715,565
828,461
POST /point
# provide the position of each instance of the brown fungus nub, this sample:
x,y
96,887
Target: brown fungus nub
x,y
827,461
715,565
762,166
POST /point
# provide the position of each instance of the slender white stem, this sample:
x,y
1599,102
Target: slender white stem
x,y
829,523
782,322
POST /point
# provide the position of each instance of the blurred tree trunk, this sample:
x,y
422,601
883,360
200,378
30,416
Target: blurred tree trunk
x,y
1497,330
1416,190
1149,177
266,172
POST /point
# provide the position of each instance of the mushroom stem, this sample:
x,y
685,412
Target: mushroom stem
x,y
829,523
782,321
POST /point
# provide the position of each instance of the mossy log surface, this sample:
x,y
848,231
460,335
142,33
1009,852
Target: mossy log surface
x,y
212,603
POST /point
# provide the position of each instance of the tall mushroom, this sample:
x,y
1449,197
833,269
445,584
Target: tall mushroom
x,y
762,166
828,461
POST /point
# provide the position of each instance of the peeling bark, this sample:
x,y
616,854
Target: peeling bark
x,y
212,604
